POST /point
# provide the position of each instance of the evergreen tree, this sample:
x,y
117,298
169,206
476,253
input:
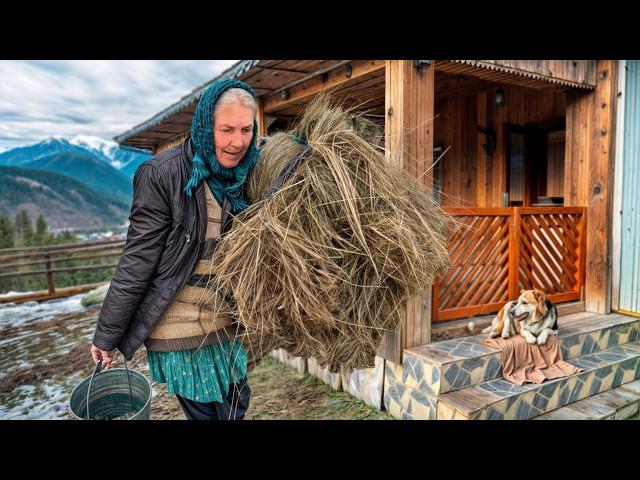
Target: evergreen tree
x,y
23,229
66,236
40,237
6,232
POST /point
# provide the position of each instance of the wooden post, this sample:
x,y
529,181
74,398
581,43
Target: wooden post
x,y
409,105
589,160
50,284
514,252
262,127
600,189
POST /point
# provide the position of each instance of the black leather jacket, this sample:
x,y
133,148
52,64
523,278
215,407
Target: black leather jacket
x,y
164,242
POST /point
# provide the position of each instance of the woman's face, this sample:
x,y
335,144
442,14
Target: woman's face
x,y
233,130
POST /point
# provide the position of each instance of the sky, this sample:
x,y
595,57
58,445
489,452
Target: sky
x,y
103,98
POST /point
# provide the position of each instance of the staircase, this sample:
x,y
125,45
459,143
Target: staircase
x,y
461,378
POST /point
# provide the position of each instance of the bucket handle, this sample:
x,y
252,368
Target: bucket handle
x,y
96,371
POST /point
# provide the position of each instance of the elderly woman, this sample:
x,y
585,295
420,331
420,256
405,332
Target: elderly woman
x,y
184,199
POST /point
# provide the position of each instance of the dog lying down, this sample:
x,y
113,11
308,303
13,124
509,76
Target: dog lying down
x,y
532,316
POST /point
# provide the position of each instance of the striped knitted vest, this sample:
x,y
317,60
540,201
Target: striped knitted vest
x,y
188,323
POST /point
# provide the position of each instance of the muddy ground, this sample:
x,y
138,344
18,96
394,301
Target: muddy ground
x,y
44,358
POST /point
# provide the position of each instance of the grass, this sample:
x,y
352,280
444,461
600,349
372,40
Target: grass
x,y
281,392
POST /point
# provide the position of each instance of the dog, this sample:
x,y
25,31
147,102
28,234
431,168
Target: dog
x,y
504,324
538,317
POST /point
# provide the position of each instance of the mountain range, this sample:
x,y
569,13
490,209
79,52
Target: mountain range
x,y
66,203
125,160
96,174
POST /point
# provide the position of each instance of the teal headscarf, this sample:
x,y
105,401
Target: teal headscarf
x,y
223,182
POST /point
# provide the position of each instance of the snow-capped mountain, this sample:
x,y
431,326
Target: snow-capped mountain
x,y
20,155
126,160
104,149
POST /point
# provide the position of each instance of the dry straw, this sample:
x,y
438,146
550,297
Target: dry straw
x,y
324,267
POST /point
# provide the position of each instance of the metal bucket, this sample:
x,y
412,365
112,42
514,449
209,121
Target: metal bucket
x,y
115,394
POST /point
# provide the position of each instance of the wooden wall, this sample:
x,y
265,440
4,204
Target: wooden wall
x,y
555,164
578,71
469,177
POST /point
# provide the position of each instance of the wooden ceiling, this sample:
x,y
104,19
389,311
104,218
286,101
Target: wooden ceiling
x,y
286,86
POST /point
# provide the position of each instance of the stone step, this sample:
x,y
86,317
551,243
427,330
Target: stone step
x,y
616,404
451,365
499,399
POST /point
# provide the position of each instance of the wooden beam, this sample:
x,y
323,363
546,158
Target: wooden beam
x,y
262,127
481,156
409,105
306,90
600,189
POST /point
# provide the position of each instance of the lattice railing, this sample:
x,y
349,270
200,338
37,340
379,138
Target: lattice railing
x,y
496,252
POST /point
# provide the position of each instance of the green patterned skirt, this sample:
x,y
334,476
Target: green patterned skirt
x,y
203,374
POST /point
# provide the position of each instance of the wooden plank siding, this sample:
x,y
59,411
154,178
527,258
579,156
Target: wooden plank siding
x,y
543,74
173,143
576,71
469,176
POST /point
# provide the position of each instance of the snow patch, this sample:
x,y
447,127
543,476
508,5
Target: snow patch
x,y
45,402
14,315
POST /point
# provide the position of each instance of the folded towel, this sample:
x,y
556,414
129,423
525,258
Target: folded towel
x,y
523,362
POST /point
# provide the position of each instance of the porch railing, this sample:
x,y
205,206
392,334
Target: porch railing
x,y
496,252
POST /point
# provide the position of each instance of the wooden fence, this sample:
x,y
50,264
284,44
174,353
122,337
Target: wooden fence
x,y
496,252
12,263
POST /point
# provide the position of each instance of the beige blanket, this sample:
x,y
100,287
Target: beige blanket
x,y
523,362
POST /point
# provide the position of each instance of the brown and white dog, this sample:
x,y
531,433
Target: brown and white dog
x,y
532,316
538,316
503,324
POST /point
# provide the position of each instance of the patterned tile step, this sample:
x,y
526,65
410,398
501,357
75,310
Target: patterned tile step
x,y
499,399
406,403
452,365
616,404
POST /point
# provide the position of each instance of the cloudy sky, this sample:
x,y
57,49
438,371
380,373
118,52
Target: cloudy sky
x,y
103,98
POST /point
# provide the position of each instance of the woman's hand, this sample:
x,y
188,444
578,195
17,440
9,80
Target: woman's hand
x,y
105,356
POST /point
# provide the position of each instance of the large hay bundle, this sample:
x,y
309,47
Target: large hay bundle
x,y
323,267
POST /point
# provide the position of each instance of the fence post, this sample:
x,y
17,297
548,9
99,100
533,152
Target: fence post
x,y
582,258
514,252
49,274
